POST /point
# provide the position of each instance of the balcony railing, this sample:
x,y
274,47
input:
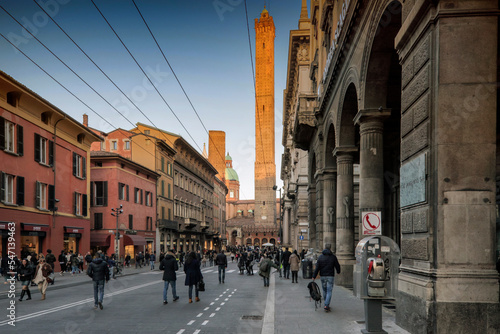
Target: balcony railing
x,y
167,224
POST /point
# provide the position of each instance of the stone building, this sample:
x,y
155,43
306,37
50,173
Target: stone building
x,y
406,90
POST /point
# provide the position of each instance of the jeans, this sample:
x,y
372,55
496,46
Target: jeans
x,y
74,269
191,291
152,265
222,269
286,267
98,291
165,289
327,283
266,281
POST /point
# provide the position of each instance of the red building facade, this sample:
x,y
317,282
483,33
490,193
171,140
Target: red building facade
x,y
43,173
121,184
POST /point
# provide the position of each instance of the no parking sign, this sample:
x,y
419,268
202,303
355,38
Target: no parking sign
x,y
371,223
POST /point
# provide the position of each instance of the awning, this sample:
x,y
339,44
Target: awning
x,y
99,239
133,239
71,229
4,225
35,227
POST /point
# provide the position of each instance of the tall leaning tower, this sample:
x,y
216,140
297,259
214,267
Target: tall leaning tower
x,y
265,167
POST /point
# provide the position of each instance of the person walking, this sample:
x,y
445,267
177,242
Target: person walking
x,y
265,268
75,262
294,266
285,260
99,272
42,271
152,259
51,259
62,262
326,266
25,275
88,258
169,266
193,275
221,262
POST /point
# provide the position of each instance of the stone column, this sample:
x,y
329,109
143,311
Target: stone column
x,y
329,207
371,159
312,215
319,211
286,224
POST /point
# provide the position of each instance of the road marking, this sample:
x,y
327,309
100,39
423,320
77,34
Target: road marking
x,y
222,303
190,323
225,299
212,303
221,295
204,322
268,322
216,298
217,309
181,331
196,331
230,271
199,315
206,308
212,315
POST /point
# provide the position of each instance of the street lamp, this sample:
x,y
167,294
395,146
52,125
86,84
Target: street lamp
x,y
116,213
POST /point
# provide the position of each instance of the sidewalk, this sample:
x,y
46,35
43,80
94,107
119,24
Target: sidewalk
x,y
68,281
295,312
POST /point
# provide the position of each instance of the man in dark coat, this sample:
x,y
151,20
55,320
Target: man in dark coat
x,y
326,266
169,266
221,262
99,272
285,260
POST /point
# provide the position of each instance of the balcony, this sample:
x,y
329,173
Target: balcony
x,y
166,224
305,121
189,223
204,225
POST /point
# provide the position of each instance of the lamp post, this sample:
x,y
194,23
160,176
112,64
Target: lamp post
x,y
116,213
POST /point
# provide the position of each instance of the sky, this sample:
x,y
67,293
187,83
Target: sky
x,y
205,42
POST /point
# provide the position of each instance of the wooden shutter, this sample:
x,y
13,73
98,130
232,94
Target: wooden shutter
x,y
127,194
52,197
37,147
92,194
74,164
2,186
141,197
84,205
84,167
105,193
74,203
51,153
2,133
20,190
37,195
120,193
20,142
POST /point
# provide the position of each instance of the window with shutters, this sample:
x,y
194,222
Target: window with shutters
x,y
162,165
130,222
8,188
80,204
99,193
11,189
114,145
149,198
138,196
42,203
98,221
127,144
44,150
79,166
122,191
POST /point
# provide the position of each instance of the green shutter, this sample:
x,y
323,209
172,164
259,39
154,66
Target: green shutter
x,y
128,198
37,147
84,205
74,164
37,195
51,153
20,190
84,167
2,134
52,197
92,194
105,193
20,142
2,186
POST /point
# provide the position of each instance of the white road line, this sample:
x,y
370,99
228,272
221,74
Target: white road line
x,y
181,331
204,322
216,298
221,295
206,308
230,271
190,323
217,309
212,315
199,315
212,303
225,299
268,323
196,331
81,302
222,304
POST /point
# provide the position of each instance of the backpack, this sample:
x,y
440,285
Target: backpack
x,y
315,293
264,266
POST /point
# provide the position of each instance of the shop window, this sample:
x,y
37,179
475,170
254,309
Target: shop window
x,y
98,221
79,166
99,193
44,150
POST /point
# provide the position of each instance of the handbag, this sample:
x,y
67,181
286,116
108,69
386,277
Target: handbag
x,y
201,285
50,278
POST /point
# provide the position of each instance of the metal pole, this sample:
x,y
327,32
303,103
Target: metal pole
x,y
117,249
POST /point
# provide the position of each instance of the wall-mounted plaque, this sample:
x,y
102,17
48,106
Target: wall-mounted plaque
x,y
412,181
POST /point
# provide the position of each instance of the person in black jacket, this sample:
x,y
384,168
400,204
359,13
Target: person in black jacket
x,y
326,266
99,272
169,266
221,262
285,260
193,275
25,273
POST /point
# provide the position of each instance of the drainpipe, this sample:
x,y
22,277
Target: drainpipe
x,y
54,170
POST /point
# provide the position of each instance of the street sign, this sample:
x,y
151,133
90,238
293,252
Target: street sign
x,y
372,223
301,237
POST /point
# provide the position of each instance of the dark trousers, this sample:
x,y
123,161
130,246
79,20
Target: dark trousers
x,y
295,276
286,267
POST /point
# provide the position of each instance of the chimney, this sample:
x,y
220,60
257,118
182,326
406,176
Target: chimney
x,y
86,120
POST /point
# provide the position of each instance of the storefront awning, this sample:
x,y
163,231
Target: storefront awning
x,y
35,227
99,239
71,229
136,240
4,225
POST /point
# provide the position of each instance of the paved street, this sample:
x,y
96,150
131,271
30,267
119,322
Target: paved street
x,y
133,304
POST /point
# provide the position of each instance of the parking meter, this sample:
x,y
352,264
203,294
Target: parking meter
x,y
377,268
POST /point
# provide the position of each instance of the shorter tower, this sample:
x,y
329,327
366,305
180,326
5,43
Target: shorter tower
x,y
232,181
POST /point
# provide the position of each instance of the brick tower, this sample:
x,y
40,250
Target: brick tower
x,y
217,151
265,167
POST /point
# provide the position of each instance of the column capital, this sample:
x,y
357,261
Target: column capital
x,y
372,114
344,150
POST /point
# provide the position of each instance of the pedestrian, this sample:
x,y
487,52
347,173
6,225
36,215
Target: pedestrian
x,y
25,275
221,262
232,257
211,258
265,268
249,263
285,260
326,266
193,275
169,266
152,259
302,254
68,260
42,271
75,262
99,272
137,261
80,262
111,266
147,256
294,266
51,259
127,260
88,258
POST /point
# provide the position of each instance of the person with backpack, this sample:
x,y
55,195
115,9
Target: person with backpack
x,y
265,268
169,266
326,266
